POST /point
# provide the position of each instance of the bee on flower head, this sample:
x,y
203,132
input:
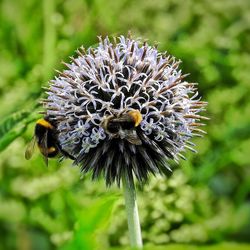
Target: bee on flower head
x,y
124,126
46,140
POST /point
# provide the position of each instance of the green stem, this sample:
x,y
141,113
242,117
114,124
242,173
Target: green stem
x,y
132,213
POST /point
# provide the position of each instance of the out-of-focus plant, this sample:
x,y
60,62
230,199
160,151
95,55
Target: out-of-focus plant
x,y
173,210
89,221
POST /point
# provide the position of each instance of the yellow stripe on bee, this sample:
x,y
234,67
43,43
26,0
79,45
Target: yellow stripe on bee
x,y
44,123
136,115
47,150
51,150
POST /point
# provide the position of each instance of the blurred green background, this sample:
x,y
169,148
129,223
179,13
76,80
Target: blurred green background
x,y
207,199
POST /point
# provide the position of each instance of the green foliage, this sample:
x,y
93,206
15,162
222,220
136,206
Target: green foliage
x,y
207,202
13,127
180,213
87,221
222,246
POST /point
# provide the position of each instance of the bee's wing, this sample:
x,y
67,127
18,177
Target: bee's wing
x,y
44,147
123,118
30,148
133,138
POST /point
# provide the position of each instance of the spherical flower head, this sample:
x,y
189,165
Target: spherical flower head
x,y
123,109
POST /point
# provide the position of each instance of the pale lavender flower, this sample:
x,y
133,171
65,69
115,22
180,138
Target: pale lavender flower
x,y
114,79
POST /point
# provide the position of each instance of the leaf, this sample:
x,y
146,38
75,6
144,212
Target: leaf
x,y
90,220
14,126
10,137
12,121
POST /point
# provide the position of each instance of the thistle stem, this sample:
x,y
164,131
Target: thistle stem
x,y
134,227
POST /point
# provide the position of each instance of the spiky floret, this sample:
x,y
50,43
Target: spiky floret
x,y
116,78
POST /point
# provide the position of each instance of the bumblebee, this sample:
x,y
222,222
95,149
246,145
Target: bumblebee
x,y
124,126
46,140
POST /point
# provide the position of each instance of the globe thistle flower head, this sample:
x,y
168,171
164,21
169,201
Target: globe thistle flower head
x,y
123,109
